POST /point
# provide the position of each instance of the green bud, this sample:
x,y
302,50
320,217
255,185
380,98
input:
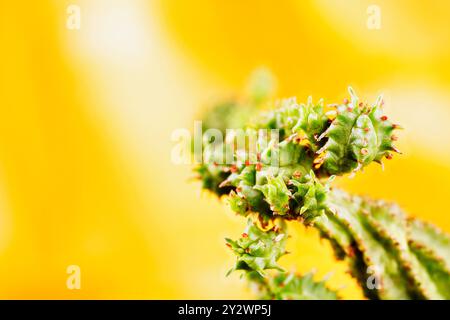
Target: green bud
x,y
258,250
276,194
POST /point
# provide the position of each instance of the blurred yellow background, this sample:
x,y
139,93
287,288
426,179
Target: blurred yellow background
x,y
87,115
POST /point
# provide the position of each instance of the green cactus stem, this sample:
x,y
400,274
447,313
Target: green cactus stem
x,y
258,251
289,179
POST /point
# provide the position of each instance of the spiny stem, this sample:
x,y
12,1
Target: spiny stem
x,y
290,178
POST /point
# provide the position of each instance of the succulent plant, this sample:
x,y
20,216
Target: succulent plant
x,y
288,176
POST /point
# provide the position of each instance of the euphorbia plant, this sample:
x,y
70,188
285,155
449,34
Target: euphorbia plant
x,y
288,177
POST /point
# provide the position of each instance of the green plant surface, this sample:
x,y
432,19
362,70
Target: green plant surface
x,y
290,179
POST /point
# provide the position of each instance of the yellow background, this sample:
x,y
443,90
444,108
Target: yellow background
x,y
86,118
